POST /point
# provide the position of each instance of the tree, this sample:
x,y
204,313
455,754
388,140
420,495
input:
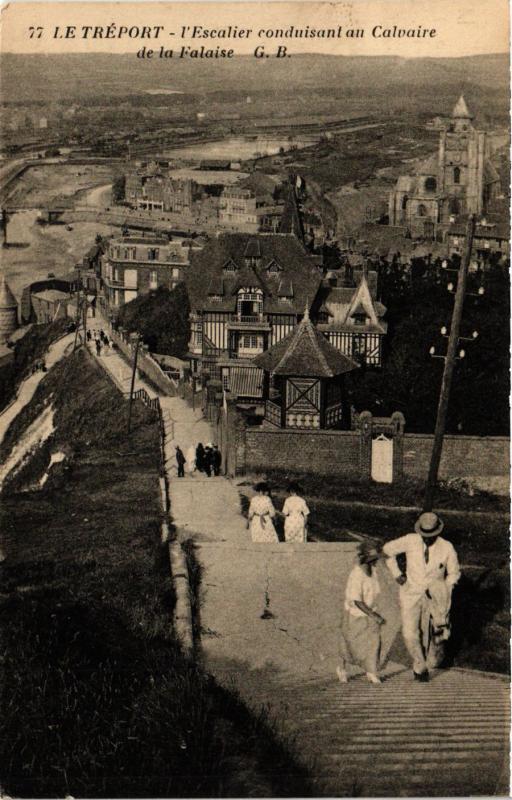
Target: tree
x,y
162,318
118,189
410,379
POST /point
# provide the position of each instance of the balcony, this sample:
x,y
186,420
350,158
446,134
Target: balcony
x,y
113,284
254,322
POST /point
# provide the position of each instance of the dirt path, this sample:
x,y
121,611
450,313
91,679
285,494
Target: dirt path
x,y
26,391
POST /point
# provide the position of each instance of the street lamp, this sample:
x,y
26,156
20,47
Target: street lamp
x,y
432,352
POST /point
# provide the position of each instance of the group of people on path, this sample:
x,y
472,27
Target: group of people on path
x,y
39,366
207,460
262,514
432,570
100,340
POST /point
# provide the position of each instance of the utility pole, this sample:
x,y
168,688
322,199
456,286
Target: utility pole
x,y
78,308
449,366
4,227
132,385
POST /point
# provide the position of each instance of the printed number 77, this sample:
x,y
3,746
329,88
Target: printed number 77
x,y
35,33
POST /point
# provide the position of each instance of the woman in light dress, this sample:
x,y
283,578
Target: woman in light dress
x,y
191,459
295,513
261,516
360,640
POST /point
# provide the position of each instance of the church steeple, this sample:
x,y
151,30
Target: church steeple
x,y
460,110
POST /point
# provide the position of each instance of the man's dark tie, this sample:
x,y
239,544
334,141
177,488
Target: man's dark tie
x,y
426,553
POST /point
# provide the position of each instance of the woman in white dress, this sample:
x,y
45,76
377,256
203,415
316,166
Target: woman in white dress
x,y
191,459
261,515
360,640
295,513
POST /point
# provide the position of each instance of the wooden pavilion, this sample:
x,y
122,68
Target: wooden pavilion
x,y
303,380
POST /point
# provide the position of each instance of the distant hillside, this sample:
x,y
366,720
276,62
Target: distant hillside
x,y
77,76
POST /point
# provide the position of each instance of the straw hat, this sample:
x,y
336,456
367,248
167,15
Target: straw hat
x,y
367,552
428,524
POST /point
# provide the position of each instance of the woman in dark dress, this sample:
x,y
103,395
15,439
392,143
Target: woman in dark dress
x,y
200,458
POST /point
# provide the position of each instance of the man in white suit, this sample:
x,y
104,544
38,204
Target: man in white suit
x,y
426,587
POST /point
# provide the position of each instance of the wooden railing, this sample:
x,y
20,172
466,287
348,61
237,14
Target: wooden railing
x,y
273,413
247,318
150,402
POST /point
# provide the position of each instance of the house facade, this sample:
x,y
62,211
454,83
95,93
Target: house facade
x,y
247,292
133,266
347,312
241,209
490,239
153,190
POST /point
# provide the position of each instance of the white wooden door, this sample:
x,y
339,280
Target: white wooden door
x,y
382,459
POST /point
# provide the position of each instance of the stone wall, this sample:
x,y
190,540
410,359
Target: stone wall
x,y
330,452
323,452
462,456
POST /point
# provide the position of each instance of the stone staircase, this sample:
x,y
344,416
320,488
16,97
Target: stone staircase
x,y
446,738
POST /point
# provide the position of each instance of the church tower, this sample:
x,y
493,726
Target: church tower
x,y
461,163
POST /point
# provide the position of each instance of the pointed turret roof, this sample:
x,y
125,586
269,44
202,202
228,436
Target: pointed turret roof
x,y
7,299
305,352
461,110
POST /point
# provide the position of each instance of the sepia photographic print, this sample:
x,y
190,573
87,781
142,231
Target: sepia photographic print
x,y
254,399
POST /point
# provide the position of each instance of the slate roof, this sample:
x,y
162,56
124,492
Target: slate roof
x,y
496,230
260,183
246,381
305,352
7,299
362,303
429,166
299,276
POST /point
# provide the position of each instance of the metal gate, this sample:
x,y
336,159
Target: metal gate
x,y
382,459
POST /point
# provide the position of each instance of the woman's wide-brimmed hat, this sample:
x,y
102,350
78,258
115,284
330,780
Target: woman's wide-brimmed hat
x,y
367,552
429,524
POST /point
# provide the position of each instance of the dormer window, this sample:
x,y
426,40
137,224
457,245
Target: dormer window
x,y
273,267
230,266
249,302
359,319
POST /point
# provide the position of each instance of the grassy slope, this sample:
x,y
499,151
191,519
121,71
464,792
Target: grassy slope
x,y
98,700
28,349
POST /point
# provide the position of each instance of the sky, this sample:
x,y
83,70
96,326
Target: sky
x,y
463,27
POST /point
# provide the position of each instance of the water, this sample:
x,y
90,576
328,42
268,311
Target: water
x,y
236,148
47,248
162,91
